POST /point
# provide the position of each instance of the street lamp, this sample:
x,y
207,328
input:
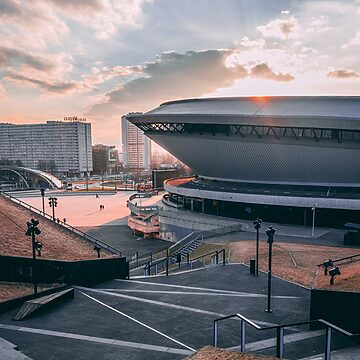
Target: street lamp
x,y
32,231
53,205
270,234
313,222
42,191
257,226
97,249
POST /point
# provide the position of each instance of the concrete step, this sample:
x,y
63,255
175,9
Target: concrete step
x,y
9,351
351,353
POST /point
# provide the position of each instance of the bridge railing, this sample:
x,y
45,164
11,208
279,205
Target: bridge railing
x,y
73,229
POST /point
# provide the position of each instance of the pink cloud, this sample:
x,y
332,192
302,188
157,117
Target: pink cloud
x,y
2,93
263,71
47,86
279,28
343,74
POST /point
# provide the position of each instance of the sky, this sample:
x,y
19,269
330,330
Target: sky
x,y
101,59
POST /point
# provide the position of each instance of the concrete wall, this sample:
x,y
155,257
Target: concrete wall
x,y
338,307
82,272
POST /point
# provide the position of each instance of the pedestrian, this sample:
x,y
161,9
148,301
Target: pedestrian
x,y
58,220
64,220
96,196
103,207
100,207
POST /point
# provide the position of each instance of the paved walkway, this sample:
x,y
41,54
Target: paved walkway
x,y
109,225
163,317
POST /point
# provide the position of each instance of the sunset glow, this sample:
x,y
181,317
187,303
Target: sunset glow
x,y
101,59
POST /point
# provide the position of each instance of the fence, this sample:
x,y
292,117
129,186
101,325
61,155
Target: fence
x,y
70,228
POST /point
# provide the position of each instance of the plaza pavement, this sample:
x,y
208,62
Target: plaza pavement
x,y
109,225
166,318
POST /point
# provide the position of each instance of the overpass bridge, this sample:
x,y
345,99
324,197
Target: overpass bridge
x,y
19,177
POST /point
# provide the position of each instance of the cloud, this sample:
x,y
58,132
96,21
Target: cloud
x,y
343,74
104,16
100,75
285,12
30,24
2,92
11,56
174,75
49,87
279,28
355,41
263,71
79,5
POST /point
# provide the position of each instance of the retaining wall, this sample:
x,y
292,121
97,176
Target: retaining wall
x,y
81,272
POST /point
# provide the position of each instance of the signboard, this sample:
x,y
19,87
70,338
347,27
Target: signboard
x,y
74,118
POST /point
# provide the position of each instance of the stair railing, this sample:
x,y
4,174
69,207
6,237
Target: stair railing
x,y
279,332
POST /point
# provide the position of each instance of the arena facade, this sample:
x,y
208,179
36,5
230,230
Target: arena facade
x,y
278,158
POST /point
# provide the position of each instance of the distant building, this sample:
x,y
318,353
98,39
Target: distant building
x,y
60,147
105,158
136,146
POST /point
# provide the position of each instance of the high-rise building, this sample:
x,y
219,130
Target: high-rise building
x,y
57,146
136,146
105,159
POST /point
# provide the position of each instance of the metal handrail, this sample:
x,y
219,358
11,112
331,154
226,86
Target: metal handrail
x,y
140,260
341,259
71,228
216,253
280,332
169,259
185,241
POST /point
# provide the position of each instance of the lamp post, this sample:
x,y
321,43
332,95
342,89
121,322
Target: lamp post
x,y
313,222
97,249
257,226
32,231
42,191
270,234
53,205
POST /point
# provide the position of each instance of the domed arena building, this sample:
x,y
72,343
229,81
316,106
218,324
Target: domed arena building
x,y
278,158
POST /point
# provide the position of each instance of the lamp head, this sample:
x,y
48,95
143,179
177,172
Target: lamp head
x,y
270,234
328,263
334,271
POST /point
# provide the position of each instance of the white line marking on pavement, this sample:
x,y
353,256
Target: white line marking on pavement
x,y
138,322
97,339
189,293
205,289
161,303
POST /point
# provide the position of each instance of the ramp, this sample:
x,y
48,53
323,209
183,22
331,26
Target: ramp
x,y
34,305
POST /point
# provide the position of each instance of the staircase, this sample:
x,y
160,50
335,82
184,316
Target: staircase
x,y
187,244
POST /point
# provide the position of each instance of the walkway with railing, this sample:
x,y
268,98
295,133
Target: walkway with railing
x,y
144,259
279,332
70,228
172,263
